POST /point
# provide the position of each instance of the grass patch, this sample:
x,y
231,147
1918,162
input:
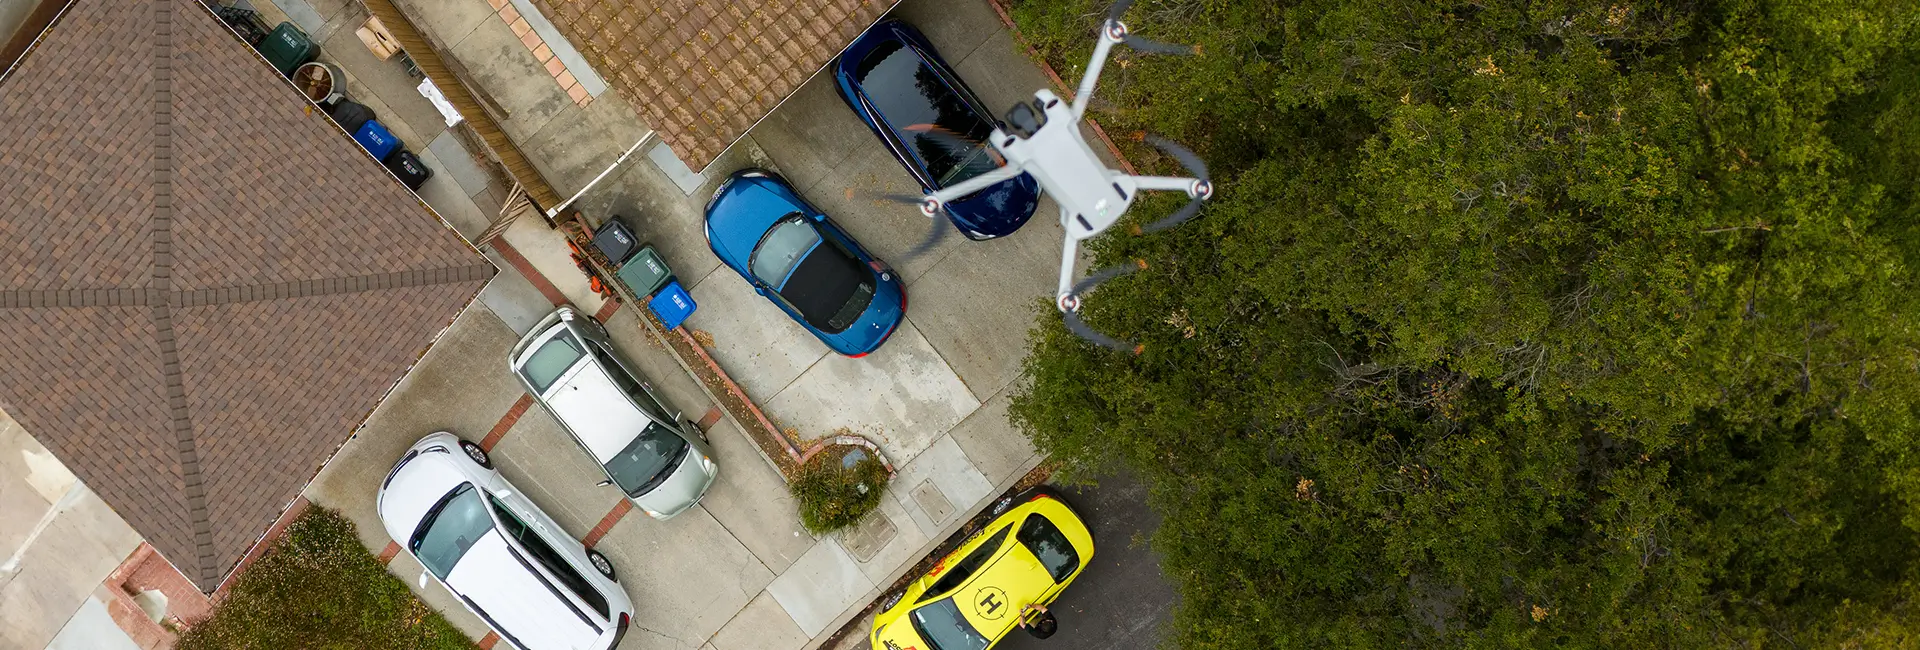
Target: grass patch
x,y
831,495
317,587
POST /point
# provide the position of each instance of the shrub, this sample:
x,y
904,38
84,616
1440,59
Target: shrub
x,y
317,587
832,496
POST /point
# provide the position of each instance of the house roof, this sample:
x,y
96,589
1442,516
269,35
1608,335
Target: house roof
x,y
207,285
702,72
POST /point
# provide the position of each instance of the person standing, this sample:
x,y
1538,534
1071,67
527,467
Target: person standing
x,y
1037,621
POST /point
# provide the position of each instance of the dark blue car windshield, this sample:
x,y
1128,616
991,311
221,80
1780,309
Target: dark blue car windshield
x,y
942,130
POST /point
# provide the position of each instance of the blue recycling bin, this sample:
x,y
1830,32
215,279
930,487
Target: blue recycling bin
x,y
378,141
672,305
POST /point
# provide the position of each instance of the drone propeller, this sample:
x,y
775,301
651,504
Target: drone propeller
x,y
1120,32
1201,191
1070,307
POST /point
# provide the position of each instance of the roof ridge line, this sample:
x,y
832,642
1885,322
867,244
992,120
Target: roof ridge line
x,y
186,449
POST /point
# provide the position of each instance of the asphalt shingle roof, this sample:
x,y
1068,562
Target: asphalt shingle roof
x,y
701,72
204,285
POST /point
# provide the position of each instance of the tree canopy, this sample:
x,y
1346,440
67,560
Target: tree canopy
x,y
1514,324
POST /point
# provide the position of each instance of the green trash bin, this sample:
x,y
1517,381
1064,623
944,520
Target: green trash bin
x,y
287,47
645,272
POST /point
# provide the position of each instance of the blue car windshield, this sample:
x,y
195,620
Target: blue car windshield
x,y
817,278
945,133
782,249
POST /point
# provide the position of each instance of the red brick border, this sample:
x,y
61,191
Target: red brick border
x,y
606,310
707,421
526,270
487,642
391,551
614,516
506,422
260,546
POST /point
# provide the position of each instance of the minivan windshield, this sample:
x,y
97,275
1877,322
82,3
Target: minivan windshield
x,y
646,461
449,529
552,360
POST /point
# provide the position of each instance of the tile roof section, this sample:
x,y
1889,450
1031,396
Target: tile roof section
x,y
208,285
701,72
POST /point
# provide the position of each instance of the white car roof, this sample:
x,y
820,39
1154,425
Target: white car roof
x,y
519,602
415,487
595,409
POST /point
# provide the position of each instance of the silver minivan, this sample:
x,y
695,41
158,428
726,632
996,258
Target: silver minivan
x,y
660,460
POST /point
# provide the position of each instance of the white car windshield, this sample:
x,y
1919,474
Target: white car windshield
x,y
449,529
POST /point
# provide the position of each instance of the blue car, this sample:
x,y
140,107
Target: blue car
x,y
796,257
933,124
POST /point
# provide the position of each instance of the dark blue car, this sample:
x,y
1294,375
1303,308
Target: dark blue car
x,y
796,257
933,123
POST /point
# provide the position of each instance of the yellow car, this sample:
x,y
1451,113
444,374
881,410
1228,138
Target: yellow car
x,y
976,595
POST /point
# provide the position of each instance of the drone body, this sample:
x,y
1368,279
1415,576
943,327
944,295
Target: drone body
x,y
1043,138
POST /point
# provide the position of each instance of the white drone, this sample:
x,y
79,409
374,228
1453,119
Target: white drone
x,y
1042,138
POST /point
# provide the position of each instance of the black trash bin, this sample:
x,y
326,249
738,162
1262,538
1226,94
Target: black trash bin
x,y
350,115
615,241
408,168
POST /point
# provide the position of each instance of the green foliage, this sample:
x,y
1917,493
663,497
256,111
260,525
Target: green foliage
x,y
1552,324
832,496
319,588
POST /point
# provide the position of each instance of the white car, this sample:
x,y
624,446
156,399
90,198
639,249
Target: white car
x,y
657,459
505,559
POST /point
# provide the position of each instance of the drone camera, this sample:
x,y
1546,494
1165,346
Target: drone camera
x,y
1025,119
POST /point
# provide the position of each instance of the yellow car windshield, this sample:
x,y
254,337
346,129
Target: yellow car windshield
x,y
945,629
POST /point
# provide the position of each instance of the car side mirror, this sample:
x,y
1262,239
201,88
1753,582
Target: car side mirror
x,y
604,482
423,579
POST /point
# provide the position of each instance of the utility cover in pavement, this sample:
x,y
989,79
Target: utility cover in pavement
x,y
932,502
865,540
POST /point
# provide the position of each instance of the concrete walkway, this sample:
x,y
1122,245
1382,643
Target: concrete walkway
x,y
58,543
737,572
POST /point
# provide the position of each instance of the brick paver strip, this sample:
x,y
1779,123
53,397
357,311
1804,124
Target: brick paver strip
x,y
614,516
707,421
487,642
181,294
506,422
520,263
607,310
391,551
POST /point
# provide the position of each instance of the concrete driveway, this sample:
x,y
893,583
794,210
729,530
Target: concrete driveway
x,y
971,303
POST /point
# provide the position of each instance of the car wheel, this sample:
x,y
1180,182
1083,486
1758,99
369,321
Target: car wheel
x,y
600,563
890,600
477,454
695,427
1000,507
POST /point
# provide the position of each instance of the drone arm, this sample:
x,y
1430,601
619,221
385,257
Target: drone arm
x,y
1166,183
960,190
1101,48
